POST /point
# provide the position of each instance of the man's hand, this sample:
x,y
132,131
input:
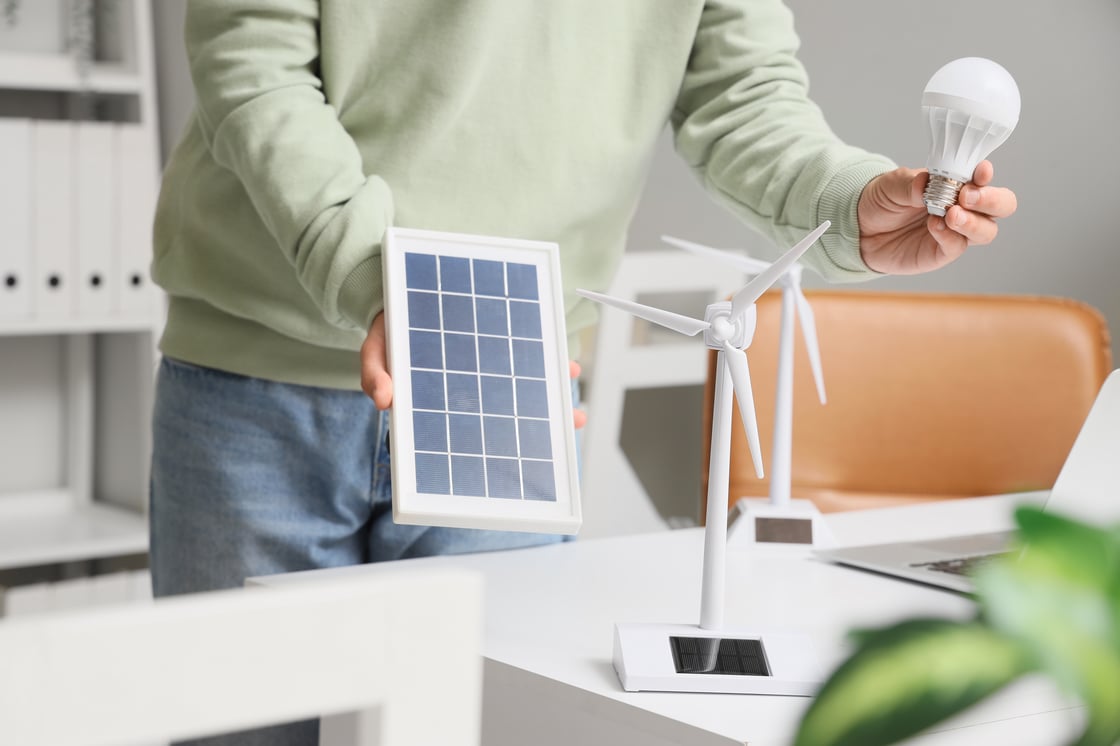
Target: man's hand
x,y
898,236
378,385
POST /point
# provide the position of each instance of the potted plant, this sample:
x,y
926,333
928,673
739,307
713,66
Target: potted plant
x,y
1050,607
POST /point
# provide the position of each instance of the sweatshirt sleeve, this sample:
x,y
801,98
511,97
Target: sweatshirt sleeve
x,y
746,127
263,113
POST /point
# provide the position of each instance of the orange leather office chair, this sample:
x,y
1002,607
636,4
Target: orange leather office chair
x,y
930,396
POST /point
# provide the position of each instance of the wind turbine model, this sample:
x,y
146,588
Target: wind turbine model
x,y
708,658
782,520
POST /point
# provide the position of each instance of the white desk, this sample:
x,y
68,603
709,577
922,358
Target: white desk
x,y
550,613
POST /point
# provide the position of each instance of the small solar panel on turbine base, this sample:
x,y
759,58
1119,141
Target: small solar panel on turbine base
x,y
481,423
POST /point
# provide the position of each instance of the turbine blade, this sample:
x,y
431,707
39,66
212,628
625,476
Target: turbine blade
x,y
759,285
668,319
741,382
745,263
812,345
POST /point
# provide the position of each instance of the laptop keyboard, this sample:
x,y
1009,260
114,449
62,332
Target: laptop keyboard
x,y
959,565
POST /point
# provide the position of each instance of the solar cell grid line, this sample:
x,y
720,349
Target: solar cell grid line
x,y
479,357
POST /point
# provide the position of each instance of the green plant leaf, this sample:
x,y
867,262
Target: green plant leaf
x,y
904,678
1077,552
1060,598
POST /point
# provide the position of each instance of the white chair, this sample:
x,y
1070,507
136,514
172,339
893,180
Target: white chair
x,y
395,659
626,358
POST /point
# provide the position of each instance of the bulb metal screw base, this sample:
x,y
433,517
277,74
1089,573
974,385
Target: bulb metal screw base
x,y
941,194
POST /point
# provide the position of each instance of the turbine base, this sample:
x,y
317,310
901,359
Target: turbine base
x,y
688,658
796,525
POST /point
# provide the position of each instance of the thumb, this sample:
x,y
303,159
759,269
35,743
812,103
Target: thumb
x,y
918,179
902,187
376,381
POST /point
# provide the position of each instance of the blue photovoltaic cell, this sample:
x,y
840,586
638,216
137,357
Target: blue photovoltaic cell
x,y
533,435
479,395
466,433
497,395
503,477
528,358
430,431
525,319
540,482
432,473
489,278
492,317
420,271
458,313
500,436
454,274
532,398
460,352
462,393
423,310
426,352
427,390
522,281
468,476
493,355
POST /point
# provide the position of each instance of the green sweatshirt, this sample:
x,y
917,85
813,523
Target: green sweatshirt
x,y
319,124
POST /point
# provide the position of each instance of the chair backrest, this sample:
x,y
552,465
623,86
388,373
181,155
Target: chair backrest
x,y
405,646
930,396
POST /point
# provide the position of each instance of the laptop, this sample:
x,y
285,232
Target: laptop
x,y
1086,489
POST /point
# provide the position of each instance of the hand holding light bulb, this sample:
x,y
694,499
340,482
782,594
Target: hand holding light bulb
x,y
911,221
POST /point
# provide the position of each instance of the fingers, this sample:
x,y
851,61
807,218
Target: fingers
x,y
978,204
976,229
578,415
951,243
376,381
995,202
983,174
978,196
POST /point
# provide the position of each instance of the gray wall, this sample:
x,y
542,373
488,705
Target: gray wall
x,y
868,61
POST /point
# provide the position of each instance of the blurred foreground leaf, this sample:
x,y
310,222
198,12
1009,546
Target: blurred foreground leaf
x,y
905,678
1059,598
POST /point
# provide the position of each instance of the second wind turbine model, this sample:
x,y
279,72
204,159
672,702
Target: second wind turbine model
x,y
781,520
675,657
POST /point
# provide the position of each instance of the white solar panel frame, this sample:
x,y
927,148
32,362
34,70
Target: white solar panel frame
x,y
410,506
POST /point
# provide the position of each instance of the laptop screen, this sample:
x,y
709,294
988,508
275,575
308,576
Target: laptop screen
x,y
1088,486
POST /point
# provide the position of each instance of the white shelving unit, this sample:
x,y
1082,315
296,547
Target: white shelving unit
x,y
76,387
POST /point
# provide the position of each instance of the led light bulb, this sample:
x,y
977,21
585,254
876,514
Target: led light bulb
x,y
970,105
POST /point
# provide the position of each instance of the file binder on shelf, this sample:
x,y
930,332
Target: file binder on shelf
x,y
15,219
96,220
137,188
52,226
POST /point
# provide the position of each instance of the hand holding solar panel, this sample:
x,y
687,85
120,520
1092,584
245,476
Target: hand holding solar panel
x,y
481,420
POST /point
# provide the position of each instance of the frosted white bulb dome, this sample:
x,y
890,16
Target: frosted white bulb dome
x,y
971,105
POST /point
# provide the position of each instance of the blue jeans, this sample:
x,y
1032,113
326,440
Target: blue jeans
x,y
254,477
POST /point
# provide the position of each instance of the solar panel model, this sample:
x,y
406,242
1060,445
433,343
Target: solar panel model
x,y
481,428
